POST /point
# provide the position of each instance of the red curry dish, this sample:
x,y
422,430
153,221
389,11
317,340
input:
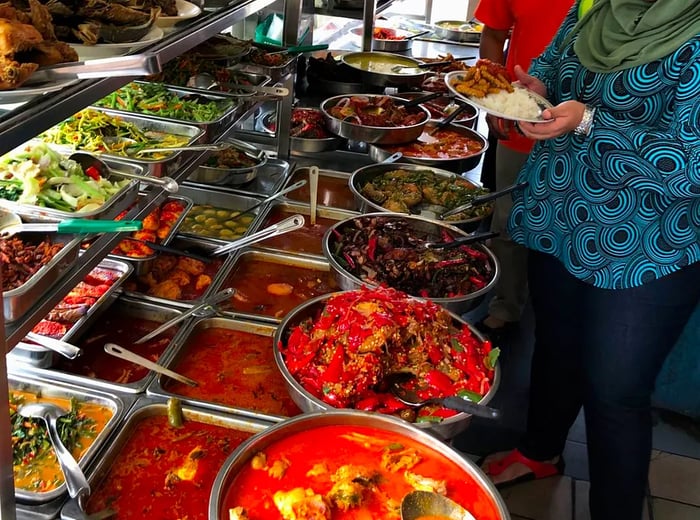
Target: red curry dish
x,y
345,354
343,472
379,111
446,144
304,240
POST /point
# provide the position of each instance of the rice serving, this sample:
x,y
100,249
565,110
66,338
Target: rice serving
x,y
517,104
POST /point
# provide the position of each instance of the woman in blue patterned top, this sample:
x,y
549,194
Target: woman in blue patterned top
x,y
611,218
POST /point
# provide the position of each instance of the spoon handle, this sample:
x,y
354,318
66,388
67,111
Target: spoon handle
x,y
480,410
313,192
63,348
76,483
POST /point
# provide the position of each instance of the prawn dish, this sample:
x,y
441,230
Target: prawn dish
x,y
377,111
401,191
386,250
350,353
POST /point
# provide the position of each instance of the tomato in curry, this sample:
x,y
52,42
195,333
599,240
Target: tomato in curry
x,y
348,472
165,472
234,368
308,239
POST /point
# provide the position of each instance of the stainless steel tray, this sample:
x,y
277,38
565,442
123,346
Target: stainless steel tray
x,y
275,73
269,180
116,403
304,262
231,104
142,265
178,352
17,302
110,209
147,407
57,372
42,357
326,196
157,167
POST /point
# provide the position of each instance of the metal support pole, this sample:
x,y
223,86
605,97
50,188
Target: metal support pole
x,y
7,482
368,24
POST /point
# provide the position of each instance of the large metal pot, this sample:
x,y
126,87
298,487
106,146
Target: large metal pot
x,y
372,134
458,31
458,304
456,163
366,174
443,430
375,69
401,44
240,459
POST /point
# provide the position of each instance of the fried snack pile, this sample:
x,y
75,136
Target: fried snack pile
x,y
486,77
28,41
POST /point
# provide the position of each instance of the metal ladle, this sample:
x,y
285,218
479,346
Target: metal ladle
x,y
76,483
417,504
87,160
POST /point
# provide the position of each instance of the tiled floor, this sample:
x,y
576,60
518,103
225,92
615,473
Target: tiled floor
x,y
674,476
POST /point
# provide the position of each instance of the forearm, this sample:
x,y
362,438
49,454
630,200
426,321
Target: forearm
x,y
492,45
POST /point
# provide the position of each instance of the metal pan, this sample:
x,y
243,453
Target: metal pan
x,y
231,176
302,144
458,30
401,44
268,180
375,69
372,134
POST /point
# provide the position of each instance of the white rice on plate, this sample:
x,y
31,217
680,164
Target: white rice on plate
x,y
517,104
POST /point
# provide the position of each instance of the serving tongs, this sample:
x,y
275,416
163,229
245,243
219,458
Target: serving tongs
x,y
206,81
136,65
283,226
272,197
481,199
462,241
11,224
204,309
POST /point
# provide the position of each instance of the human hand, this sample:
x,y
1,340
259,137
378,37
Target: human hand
x,y
562,119
530,82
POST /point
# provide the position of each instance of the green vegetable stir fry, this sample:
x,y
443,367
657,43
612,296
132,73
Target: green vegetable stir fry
x,y
156,99
38,175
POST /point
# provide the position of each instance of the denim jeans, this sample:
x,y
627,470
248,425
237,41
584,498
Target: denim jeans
x,y
602,349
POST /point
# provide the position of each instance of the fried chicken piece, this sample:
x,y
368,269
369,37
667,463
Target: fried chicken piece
x,y
180,277
167,289
190,265
42,20
13,73
17,37
52,53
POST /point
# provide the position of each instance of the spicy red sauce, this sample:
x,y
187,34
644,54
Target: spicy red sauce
x,y
234,368
164,472
332,191
305,240
327,448
257,283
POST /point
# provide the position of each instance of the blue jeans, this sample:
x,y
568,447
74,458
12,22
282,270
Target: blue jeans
x,y
602,349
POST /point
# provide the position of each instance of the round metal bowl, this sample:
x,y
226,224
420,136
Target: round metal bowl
x,y
467,118
241,458
231,176
401,44
302,144
372,134
443,430
366,174
375,68
458,31
456,163
459,304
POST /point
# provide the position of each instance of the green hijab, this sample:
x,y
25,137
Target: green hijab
x,y
620,34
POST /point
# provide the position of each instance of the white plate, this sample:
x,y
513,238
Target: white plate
x,y
185,11
108,50
23,94
452,77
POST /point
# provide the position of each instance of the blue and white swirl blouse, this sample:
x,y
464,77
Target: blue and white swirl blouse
x,y
620,207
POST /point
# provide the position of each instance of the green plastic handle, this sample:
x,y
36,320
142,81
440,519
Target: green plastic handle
x,y
308,48
98,226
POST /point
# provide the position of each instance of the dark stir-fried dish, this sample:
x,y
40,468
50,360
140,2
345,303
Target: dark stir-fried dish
x,y
380,111
347,355
385,250
231,158
401,190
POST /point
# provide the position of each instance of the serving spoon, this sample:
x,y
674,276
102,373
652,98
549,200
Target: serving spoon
x,y
76,483
427,504
87,160
61,347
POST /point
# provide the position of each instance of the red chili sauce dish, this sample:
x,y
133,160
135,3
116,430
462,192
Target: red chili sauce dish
x,y
333,192
123,329
447,144
233,368
165,472
273,289
346,472
305,240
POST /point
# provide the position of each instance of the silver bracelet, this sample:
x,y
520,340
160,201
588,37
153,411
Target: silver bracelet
x,y
586,125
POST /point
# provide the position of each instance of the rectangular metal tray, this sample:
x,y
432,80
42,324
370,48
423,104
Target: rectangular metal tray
x,y
306,262
117,404
147,407
167,166
177,352
142,265
270,178
41,357
18,301
110,209
275,73
129,307
212,129
323,193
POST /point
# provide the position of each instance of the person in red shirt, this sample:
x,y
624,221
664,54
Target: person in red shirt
x,y
528,26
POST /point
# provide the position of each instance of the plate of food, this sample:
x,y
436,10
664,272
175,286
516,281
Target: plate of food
x,y
185,11
488,87
108,50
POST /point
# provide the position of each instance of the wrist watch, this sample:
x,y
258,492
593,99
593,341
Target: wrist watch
x,y
586,125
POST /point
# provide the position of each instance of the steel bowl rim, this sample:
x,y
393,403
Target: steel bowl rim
x,y
459,121
415,63
324,106
239,170
320,405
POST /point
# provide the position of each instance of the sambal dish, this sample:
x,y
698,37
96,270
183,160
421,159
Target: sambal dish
x,y
378,111
446,143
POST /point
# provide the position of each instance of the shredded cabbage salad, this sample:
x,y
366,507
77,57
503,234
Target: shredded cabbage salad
x,y
36,174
